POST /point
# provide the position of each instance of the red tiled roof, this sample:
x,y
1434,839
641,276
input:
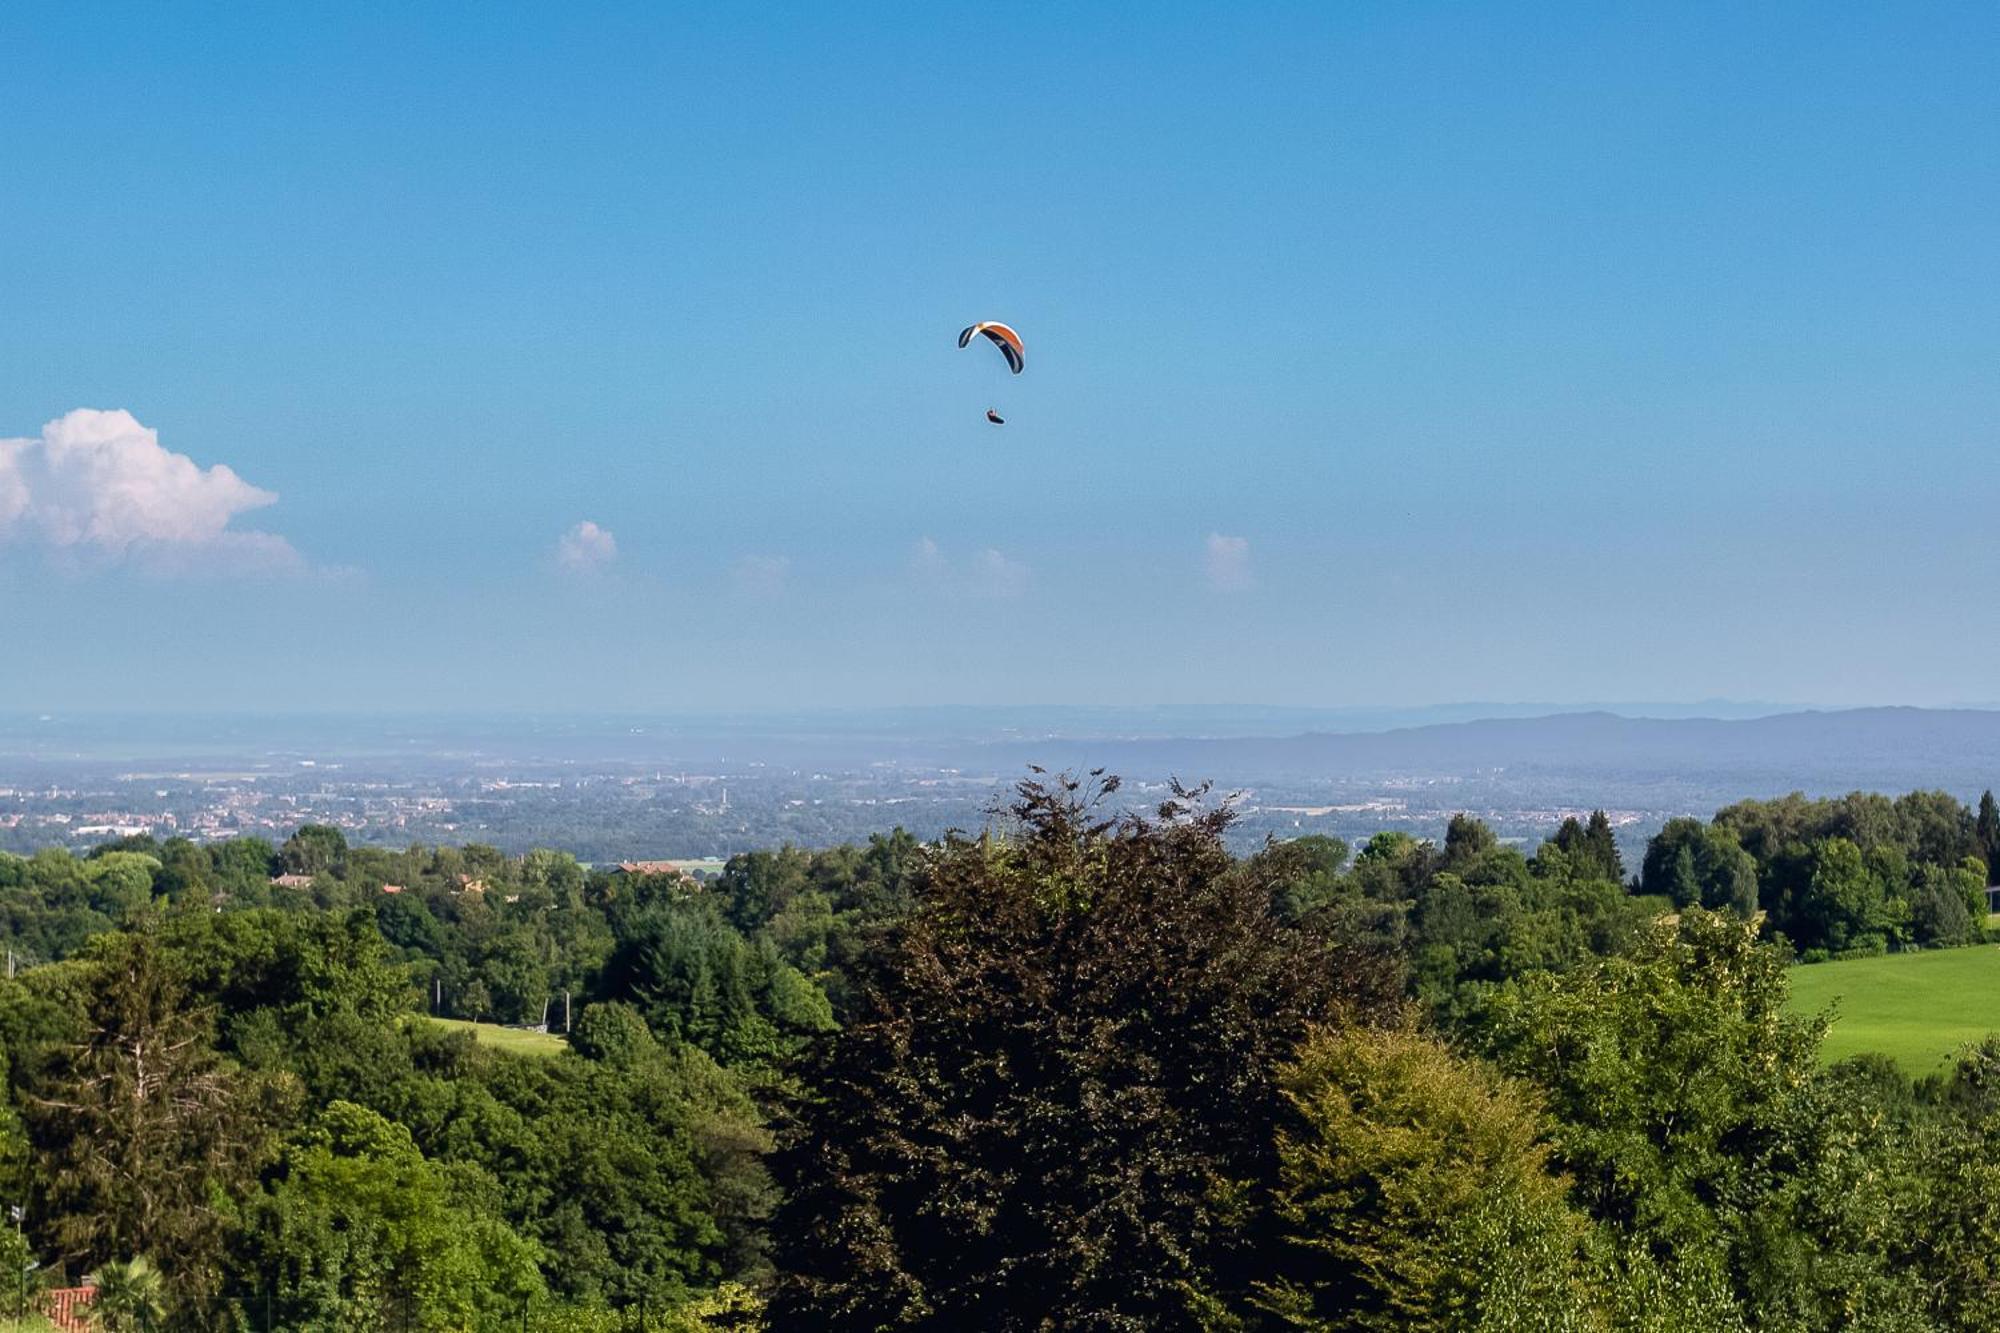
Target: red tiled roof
x,y
651,867
67,1308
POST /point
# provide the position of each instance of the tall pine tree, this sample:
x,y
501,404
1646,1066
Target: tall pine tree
x,y
141,1133
1987,830
1602,845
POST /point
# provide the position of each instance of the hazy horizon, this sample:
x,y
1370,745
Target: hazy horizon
x,y
1448,709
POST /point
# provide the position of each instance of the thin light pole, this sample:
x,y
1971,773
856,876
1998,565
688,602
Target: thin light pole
x,y
20,1301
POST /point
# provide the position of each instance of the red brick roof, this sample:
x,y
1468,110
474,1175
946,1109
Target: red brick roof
x,y
652,867
68,1308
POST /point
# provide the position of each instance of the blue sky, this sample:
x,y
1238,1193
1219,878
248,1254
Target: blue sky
x,y
1377,354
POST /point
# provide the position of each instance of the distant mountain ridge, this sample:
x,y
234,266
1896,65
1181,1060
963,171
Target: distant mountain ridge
x,y
1884,748
1867,747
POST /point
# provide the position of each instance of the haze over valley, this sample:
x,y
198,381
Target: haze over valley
x,y
613,788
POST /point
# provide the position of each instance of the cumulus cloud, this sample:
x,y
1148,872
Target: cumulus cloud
x,y
586,547
1227,560
927,562
991,573
762,575
100,485
997,575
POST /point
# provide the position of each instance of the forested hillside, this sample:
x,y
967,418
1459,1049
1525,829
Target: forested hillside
x,y
1086,1071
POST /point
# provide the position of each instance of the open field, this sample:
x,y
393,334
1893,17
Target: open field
x,y
1916,1008
507,1039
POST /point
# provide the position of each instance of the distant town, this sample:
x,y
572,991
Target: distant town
x,y
611,816
614,789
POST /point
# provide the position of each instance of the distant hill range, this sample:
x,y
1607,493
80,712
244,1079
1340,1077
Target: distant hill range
x,y
1581,752
1885,748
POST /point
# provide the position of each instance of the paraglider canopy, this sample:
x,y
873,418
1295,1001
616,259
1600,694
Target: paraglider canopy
x,y
1008,341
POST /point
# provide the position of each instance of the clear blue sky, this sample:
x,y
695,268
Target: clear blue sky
x,y
1377,353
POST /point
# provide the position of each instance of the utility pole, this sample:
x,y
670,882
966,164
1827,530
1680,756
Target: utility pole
x,y
21,1304
565,1011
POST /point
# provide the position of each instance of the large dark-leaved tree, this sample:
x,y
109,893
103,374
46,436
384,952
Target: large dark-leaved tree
x,y
1055,1108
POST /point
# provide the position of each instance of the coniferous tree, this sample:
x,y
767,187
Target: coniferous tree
x,y
1590,851
1987,830
1466,839
141,1133
1602,846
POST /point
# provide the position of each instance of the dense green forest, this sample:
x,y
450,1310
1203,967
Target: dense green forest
x,y
1087,1070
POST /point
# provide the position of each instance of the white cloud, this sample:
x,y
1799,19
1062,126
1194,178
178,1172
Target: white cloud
x,y
1227,560
98,484
762,575
997,575
927,562
586,547
989,574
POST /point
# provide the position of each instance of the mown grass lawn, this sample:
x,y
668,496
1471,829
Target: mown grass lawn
x,y
507,1039
1916,1008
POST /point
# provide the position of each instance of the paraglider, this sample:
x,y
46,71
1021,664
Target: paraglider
x,y
1010,345
1004,338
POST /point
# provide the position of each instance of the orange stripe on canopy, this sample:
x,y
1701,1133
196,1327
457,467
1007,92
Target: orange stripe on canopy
x,y
1004,338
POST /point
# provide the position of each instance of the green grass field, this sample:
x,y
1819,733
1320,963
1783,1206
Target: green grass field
x,y
507,1039
1916,1008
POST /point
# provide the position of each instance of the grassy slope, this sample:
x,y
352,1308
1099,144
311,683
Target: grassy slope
x,y
1917,1008
508,1039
